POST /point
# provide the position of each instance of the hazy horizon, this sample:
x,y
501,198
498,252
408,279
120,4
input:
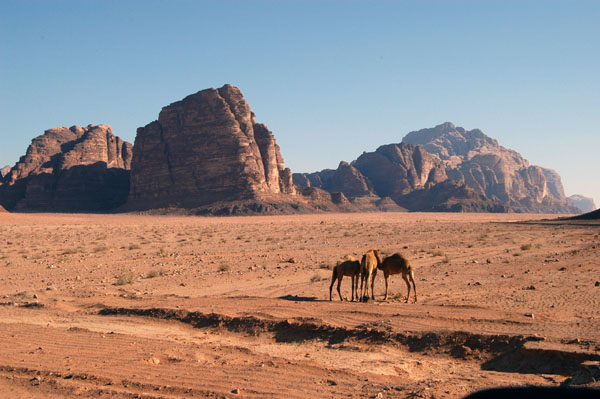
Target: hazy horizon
x,y
331,79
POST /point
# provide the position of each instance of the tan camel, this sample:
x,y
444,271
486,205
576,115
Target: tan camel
x,y
350,266
396,264
368,270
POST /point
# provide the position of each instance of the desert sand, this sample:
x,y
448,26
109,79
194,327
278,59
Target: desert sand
x,y
137,306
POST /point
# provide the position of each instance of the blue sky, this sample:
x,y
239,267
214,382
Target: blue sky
x,y
331,79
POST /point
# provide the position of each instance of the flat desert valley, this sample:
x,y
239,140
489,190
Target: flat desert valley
x,y
142,306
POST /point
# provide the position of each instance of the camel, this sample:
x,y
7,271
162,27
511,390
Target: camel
x,y
396,264
350,266
368,270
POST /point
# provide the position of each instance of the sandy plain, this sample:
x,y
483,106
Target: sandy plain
x,y
135,306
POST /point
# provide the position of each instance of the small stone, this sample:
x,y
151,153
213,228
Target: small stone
x,y
529,315
531,287
332,382
562,269
155,360
236,391
597,284
488,261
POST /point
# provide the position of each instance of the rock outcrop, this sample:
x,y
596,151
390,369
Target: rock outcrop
x,y
4,171
585,204
498,173
478,175
77,169
345,179
204,149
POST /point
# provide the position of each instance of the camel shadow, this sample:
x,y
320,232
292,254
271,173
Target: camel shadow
x,y
297,298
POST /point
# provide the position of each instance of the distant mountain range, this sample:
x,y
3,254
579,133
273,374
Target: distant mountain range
x,y
206,154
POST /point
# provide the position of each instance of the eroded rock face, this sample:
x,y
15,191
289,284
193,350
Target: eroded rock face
x,y
204,149
585,204
500,174
70,170
345,179
398,169
483,176
4,171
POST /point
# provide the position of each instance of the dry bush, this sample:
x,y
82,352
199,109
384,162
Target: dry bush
x,y
127,277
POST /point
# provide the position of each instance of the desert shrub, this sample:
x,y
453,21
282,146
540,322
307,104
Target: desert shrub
x,y
437,253
316,277
155,273
101,248
127,277
325,266
224,267
525,247
133,246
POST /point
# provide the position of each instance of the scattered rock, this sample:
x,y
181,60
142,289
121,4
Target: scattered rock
x,y
529,315
236,391
531,287
597,284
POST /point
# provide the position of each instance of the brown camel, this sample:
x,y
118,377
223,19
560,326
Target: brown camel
x,y
397,264
350,266
368,270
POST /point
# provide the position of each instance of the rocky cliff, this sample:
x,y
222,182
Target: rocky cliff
x,y
496,172
70,169
4,171
482,176
585,204
204,149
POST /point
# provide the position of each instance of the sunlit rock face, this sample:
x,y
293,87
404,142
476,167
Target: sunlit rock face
x,y
77,169
203,149
497,172
478,174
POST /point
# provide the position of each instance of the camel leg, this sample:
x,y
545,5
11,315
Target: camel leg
x,y
339,285
333,278
373,284
364,286
412,278
364,294
387,277
405,277
354,283
362,280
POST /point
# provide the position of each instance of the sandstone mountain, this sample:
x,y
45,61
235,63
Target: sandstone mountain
x,y
73,169
4,171
204,149
482,176
586,204
498,173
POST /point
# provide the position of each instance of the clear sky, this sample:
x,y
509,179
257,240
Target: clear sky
x,y
331,79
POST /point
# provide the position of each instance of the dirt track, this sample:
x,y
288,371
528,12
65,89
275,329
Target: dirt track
x,y
177,307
